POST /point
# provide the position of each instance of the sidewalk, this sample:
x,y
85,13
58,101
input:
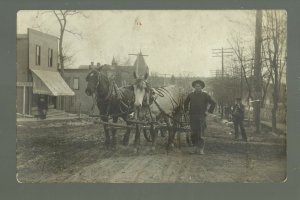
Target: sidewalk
x,y
52,115
281,127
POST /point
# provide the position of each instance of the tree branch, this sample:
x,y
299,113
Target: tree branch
x,y
74,33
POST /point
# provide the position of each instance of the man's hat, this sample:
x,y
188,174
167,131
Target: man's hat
x,y
198,82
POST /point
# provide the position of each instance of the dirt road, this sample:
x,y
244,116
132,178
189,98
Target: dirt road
x,y
72,151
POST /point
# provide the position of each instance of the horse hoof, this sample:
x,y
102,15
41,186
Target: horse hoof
x,y
125,141
171,146
106,147
152,148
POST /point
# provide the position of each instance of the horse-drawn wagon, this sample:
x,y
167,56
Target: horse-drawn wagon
x,y
142,108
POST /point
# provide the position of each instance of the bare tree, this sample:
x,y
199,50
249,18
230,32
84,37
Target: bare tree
x,y
243,58
257,71
62,17
275,53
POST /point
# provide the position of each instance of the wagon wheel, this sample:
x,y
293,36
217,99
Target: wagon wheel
x,y
162,133
147,135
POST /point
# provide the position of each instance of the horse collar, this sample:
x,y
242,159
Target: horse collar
x,y
98,78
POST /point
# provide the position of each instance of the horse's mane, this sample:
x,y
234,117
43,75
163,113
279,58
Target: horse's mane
x,y
127,87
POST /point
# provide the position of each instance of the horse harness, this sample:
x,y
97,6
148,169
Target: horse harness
x,y
161,92
113,91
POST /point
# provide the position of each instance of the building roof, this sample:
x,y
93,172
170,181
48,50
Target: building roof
x,y
82,67
21,36
104,67
30,30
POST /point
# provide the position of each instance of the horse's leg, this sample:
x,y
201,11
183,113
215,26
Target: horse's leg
x,y
137,132
107,137
171,132
176,136
188,138
127,134
114,131
176,126
137,135
154,132
162,133
106,131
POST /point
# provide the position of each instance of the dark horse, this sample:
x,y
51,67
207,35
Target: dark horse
x,y
111,101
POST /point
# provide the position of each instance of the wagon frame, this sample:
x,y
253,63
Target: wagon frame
x,y
146,126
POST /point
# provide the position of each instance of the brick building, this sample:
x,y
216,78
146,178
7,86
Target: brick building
x,y
81,103
37,72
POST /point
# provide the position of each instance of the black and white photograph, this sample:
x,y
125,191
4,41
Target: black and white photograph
x,y
151,96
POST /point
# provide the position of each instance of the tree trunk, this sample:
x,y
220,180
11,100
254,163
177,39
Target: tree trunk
x,y
275,98
257,71
274,118
61,56
62,65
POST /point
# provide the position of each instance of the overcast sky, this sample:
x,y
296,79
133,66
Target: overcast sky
x,y
177,42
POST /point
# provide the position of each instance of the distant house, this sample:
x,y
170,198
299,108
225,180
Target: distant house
x,y
81,103
37,71
281,114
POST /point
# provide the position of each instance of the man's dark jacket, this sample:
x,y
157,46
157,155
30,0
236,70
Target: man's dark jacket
x,y
238,112
197,103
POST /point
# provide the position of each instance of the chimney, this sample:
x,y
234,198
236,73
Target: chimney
x,y
91,65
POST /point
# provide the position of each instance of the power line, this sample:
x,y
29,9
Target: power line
x,y
223,52
165,76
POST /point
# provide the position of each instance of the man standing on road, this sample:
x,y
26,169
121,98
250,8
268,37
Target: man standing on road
x,y
238,113
197,103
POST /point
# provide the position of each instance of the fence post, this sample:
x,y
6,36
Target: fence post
x,y
79,110
24,99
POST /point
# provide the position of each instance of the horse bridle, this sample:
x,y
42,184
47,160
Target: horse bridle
x,y
111,85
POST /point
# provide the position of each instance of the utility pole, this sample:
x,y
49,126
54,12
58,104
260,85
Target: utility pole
x,y
241,94
213,73
223,52
257,70
165,76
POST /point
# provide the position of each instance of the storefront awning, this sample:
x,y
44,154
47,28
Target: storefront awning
x,y
50,83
